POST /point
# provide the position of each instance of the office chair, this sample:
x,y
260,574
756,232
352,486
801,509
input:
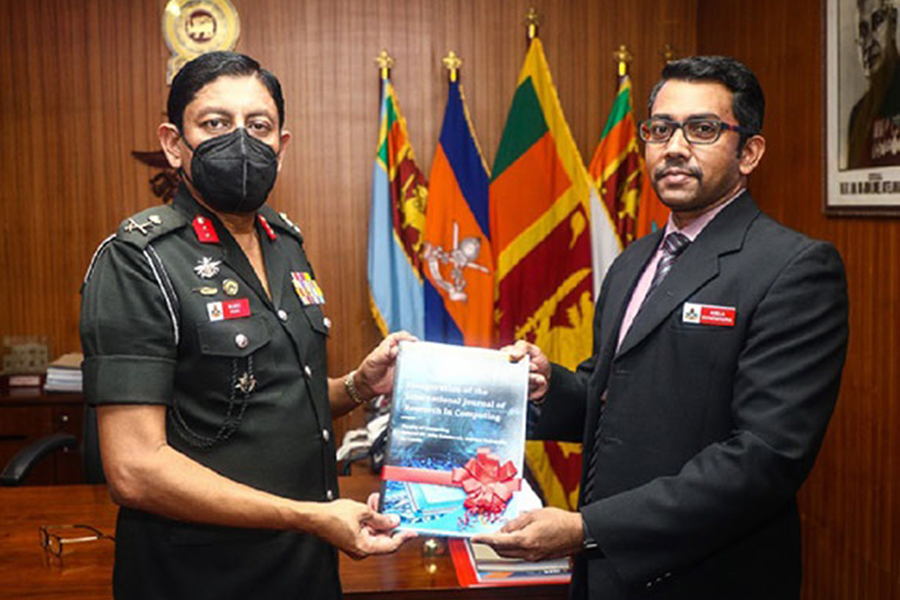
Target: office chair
x,y
16,470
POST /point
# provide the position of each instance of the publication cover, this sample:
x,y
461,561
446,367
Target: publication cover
x,y
476,567
454,460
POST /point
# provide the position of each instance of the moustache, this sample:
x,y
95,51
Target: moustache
x,y
677,169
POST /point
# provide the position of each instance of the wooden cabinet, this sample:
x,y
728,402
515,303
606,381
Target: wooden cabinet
x,y
28,414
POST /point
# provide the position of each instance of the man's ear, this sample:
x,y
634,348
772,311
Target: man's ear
x,y
284,138
752,152
168,140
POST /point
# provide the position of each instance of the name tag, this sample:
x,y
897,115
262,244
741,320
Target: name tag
x,y
708,314
229,309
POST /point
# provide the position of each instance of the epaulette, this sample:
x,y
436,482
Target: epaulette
x,y
281,222
150,224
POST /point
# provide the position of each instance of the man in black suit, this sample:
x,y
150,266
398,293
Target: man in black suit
x,y
717,357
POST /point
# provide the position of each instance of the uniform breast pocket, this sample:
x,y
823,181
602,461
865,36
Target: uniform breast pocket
x,y
317,319
237,338
234,358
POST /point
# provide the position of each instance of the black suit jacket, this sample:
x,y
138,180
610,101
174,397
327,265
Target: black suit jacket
x,y
707,431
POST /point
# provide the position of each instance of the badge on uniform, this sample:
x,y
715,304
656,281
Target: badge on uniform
x,y
229,309
207,268
307,289
708,314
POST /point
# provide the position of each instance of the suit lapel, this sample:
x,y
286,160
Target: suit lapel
x,y
618,296
694,268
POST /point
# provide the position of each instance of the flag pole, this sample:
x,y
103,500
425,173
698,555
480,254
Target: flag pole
x,y
532,20
623,57
453,63
385,63
669,53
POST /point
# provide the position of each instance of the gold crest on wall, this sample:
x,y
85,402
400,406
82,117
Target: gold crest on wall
x,y
194,27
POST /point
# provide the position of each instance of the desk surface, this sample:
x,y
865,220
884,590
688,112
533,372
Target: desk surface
x,y
85,571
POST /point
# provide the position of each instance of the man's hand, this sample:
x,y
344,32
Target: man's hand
x,y
539,367
375,375
358,531
538,535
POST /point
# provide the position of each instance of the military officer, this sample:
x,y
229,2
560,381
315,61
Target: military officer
x,y
204,342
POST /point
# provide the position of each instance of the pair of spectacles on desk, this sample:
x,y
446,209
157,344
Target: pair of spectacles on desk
x,y
55,538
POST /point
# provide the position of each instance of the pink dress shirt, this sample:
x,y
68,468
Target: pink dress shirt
x,y
640,292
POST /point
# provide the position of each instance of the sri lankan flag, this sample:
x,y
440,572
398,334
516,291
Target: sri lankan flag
x,y
652,214
396,224
458,264
540,228
618,171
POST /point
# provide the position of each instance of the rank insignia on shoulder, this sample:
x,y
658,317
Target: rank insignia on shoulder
x,y
207,268
290,223
144,227
204,230
307,288
270,233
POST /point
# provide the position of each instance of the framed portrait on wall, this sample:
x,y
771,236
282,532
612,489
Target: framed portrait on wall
x,y
862,107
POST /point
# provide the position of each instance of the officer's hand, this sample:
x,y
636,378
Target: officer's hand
x,y
359,531
538,535
539,367
375,375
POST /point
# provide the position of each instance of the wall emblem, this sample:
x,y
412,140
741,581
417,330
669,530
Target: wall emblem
x,y
194,27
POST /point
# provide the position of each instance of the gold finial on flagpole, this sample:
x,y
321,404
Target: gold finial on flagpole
x,y
623,56
385,64
453,64
532,20
668,53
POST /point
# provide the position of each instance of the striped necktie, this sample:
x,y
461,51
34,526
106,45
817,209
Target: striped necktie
x,y
674,244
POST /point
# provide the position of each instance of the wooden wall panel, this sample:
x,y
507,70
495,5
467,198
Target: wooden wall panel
x,y
851,503
83,84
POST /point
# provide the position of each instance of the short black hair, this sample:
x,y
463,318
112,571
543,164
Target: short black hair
x,y
748,101
209,67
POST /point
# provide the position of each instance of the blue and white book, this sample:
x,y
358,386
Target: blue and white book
x,y
455,455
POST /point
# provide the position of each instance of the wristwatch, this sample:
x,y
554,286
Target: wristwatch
x,y
350,386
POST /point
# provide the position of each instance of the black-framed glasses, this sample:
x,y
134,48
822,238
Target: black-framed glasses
x,y
54,538
696,131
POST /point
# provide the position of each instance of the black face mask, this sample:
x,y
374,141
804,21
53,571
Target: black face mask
x,y
235,172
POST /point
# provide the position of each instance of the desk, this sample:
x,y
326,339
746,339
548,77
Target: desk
x,y
85,572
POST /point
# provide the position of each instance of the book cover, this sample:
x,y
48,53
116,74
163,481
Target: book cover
x,y
454,460
472,572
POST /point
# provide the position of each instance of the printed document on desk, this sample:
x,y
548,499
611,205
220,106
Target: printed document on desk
x,y
457,439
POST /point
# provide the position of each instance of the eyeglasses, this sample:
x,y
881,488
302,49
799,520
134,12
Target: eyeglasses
x,y
696,131
54,538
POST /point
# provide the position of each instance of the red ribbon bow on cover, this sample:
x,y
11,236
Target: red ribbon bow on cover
x,y
488,485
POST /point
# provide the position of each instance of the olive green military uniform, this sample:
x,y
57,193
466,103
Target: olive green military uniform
x,y
174,314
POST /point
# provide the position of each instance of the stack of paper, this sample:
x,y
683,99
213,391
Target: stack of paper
x,y
64,374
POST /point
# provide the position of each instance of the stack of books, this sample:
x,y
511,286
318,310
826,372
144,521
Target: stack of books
x,y
64,374
477,565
